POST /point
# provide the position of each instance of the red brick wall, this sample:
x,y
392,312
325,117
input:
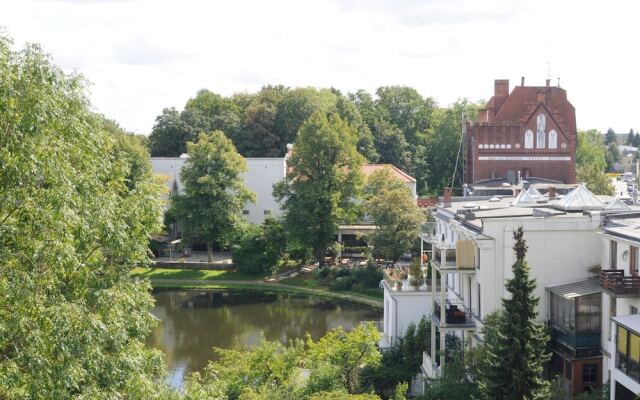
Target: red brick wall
x,y
509,138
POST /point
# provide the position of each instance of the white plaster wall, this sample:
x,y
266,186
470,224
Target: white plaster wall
x,y
560,250
261,175
403,308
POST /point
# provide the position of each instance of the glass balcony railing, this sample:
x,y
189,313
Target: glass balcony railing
x,y
401,281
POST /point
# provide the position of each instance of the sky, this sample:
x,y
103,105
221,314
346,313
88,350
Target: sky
x,y
145,55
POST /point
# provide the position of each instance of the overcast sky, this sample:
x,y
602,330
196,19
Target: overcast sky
x,y
144,55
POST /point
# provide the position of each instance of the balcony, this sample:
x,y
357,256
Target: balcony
x,y
617,284
451,263
457,316
398,280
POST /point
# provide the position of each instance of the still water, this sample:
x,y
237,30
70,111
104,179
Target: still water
x,y
192,322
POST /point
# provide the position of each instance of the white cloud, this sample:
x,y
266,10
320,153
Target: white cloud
x,y
145,55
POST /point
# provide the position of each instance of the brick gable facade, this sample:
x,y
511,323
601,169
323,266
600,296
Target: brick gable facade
x,y
531,131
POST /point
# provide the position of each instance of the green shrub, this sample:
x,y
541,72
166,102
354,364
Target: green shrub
x,y
260,247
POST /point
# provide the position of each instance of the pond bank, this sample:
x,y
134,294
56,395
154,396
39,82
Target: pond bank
x,y
190,279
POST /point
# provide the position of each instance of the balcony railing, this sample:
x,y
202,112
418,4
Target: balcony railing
x,y
456,315
615,282
396,280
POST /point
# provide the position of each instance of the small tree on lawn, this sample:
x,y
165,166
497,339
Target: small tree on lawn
x,y
319,191
515,347
394,212
214,192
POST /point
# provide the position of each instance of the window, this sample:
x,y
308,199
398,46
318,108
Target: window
x,y
245,212
589,374
628,352
588,313
267,212
613,254
633,260
633,310
568,370
477,258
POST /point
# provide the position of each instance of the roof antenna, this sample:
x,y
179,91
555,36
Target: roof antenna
x,y
549,70
558,81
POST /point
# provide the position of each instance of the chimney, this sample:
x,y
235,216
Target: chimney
x,y
552,192
548,82
500,93
522,81
447,197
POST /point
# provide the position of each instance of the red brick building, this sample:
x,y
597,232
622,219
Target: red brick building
x,y
530,131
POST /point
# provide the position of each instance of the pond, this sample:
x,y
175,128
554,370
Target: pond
x,y
192,322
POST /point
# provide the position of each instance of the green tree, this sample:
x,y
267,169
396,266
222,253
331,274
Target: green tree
x,y
591,163
636,140
78,206
612,156
630,137
170,135
516,351
395,213
260,247
325,179
214,193
296,106
343,356
610,137
209,111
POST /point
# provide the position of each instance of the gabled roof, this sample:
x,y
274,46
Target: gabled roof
x,y
580,199
617,205
523,100
369,169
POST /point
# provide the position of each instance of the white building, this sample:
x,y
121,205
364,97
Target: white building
x,y
261,175
473,251
620,282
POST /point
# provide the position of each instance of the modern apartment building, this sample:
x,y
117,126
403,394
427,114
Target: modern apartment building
x,y
620,281
473,254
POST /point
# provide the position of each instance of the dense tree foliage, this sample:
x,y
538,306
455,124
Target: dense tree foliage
x,y
260,247
78,205
319,192
393,209
396,126
329,368
610,137
214,193
591,163
516,350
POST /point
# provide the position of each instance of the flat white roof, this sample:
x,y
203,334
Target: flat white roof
x,y
629,321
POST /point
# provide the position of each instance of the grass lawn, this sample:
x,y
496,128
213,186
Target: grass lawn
x,y
309,280
203,274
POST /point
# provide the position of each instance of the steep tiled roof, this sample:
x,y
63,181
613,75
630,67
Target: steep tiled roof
x,y
524,100
369,169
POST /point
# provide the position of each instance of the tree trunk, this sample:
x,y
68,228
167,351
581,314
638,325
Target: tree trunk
x,y
209,252
319,253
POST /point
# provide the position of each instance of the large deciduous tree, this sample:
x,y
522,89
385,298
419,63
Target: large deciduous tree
x,y
591,162
214,192
324,182
170,134
77,206
394,211
515,349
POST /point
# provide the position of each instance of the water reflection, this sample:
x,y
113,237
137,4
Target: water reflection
x,y
193,322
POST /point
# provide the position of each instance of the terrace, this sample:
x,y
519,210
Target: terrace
x,y
456,315
399,280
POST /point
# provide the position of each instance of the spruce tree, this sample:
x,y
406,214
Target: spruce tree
x,y
515,351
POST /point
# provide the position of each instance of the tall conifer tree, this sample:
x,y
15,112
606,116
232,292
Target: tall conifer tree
x,y
516,351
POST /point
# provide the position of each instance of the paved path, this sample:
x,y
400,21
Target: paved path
x,y
321,292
